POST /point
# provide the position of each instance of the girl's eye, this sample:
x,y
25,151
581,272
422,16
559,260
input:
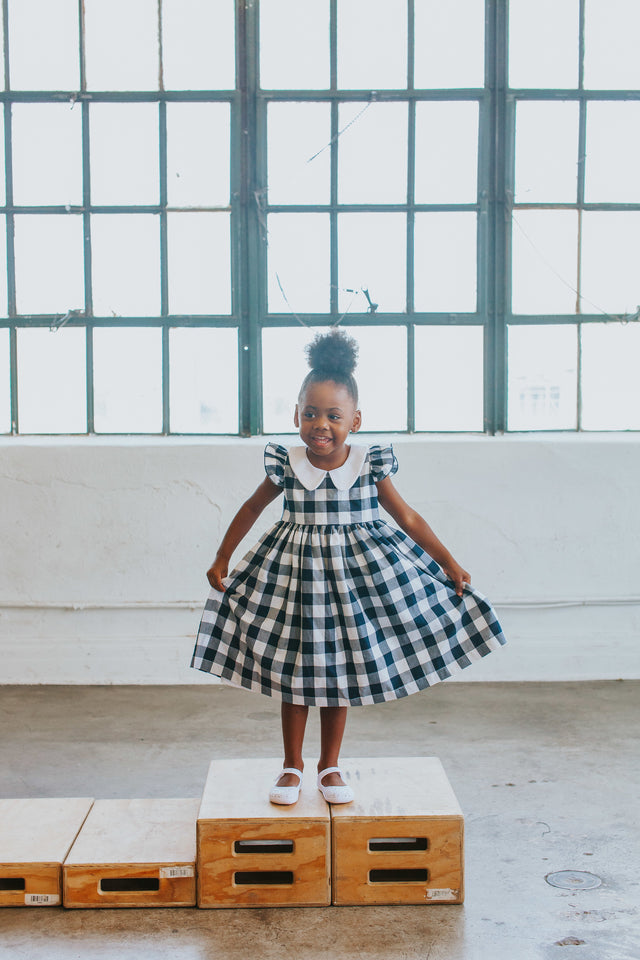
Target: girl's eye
x,y
308,415
335,416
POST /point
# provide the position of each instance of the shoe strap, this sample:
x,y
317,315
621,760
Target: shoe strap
x,y
298,773
323,773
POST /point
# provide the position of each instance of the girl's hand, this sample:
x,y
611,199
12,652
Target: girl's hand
x,y
216,573
459,576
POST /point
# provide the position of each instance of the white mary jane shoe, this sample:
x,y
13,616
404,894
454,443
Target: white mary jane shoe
x,y
286,795
334,794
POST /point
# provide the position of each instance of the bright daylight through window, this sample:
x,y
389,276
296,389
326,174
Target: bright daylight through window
x,y
190,189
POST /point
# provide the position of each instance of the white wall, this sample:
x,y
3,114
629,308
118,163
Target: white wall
x,y
105,544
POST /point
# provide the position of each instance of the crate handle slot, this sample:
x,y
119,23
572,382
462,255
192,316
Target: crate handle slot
x,y
398,876
398,843
12,883
263,846
271,878
128,884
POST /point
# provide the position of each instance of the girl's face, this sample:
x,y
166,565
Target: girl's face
x,y
325,415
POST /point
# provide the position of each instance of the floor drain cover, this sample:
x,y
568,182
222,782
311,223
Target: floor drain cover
x,y
573,880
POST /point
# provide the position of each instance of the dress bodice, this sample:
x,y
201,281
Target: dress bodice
x,y
346,495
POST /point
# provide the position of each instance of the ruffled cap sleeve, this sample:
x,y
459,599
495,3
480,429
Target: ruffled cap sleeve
x,y
382,462
275,458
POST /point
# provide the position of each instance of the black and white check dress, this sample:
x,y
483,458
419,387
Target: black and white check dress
x,y
333,606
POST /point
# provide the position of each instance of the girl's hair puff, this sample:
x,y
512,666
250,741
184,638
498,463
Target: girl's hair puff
x,y
332,356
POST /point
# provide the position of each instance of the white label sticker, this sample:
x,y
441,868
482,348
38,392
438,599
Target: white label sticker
x,y
172,873
41,899
443,894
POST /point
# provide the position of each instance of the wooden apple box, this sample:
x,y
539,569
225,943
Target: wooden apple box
x,y
134,853
35,838
253,853
401,840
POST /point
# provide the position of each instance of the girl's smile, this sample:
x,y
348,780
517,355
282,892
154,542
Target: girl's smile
x,y
325,416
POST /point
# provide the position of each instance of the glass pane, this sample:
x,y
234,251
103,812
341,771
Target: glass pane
x,y
127,377
47,154
124,153
611,172
445,262
125,263
198,154
3,178
611,45
446,152
5,383
610,386
546,152
545,261
369,172
44,45
52,380
198,45
610,242
449,43
372,44
543,43
121,44
381,376
199,256
2,78
543,377
298,261
49,253
204,380
297,148
296,57
3,266
448,378
284,367
372,256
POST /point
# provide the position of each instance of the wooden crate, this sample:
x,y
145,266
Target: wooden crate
x,y
401,840
35,838
253,853
134,853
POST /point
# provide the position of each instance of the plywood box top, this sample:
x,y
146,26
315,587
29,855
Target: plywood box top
x,y
40,830
239,790
137,831
402,787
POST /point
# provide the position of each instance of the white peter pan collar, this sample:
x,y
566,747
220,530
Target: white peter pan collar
x,y
342,477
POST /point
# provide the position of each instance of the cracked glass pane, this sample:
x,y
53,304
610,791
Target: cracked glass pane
x,y
372,257
298,152
298,263
545,261
372,153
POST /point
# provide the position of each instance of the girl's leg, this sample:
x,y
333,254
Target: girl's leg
x,y
294,721
332,724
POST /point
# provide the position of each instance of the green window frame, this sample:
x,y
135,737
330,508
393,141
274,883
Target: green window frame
x,y
250,210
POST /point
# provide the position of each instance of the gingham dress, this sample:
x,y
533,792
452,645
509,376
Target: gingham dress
x,y
335,607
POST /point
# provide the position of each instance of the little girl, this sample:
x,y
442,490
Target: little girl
x,y
333,606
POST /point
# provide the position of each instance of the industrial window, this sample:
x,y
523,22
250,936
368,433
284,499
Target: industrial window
x,y
193,188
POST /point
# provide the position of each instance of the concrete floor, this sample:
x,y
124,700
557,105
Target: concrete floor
x,y
546,774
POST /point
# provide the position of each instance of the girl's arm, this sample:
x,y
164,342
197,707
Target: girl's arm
x,y
238,528
419,530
